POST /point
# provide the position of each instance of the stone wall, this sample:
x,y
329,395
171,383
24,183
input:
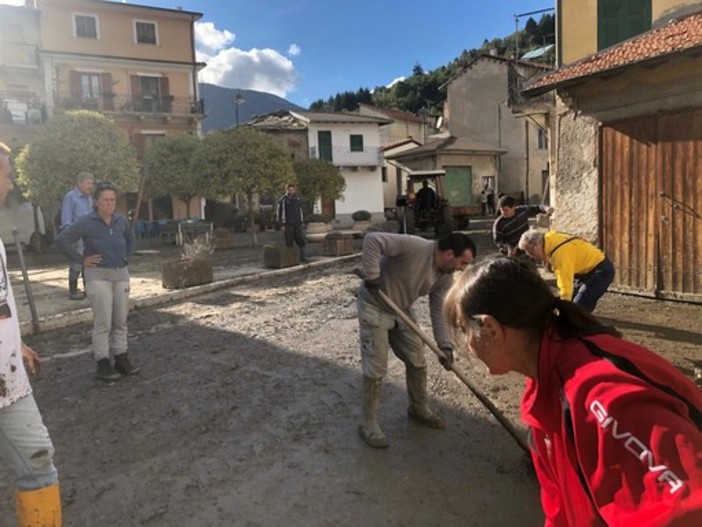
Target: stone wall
x,y
576,186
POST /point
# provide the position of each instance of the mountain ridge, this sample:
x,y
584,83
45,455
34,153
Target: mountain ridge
x,y
220,108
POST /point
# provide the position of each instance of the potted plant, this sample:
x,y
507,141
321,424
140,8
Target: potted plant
x,y
194,267
224,238
318,226
361,220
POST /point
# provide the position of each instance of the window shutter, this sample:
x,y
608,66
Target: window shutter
x,y
639,17
136,92
108,100
136,86
163,86
618,20
74,82
166,102
608,20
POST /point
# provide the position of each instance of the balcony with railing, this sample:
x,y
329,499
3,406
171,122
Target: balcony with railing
x,y
126,104
17,55
344,157
21,108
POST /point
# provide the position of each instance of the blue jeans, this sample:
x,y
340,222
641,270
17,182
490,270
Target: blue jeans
x,y
25,445
589,288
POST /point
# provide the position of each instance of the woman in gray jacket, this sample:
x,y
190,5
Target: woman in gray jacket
x,y
109,242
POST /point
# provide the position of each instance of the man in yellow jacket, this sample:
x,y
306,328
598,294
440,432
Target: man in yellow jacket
x,y
583,272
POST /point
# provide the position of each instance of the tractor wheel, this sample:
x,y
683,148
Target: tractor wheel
x,y
462,222
445,223
406,221
410,222
36,242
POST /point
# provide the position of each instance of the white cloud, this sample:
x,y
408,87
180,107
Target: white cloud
x,y
255,69
294,50
12,2
210,39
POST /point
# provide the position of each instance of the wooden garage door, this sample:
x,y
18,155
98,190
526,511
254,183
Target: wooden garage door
x,y
651,207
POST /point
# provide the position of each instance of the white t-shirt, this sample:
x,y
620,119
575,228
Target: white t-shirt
x,y
14,383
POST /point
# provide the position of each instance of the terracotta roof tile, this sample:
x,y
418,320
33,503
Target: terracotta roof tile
x,y
677,36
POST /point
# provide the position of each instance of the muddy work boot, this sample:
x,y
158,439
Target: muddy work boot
x,y
369,429
106,372
73,292
123,366
418,409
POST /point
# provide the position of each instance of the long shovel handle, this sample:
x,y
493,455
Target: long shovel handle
x,y
518,437
25,279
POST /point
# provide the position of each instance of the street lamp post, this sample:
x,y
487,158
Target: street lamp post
x,y
238,99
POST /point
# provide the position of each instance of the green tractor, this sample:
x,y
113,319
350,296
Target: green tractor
x,y
425,207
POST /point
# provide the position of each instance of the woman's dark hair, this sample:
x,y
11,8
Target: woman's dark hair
x,y
458,243
516,296
100,187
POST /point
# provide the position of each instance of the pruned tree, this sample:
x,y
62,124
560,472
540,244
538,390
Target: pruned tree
x,y
170,169
71,143
245,161
317,179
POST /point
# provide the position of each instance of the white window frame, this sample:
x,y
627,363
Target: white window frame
x,y
153,23
75,28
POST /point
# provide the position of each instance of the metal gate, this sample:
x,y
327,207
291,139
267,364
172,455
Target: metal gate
x,y
651,203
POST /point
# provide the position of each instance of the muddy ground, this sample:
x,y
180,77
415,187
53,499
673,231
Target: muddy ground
x,y
246,409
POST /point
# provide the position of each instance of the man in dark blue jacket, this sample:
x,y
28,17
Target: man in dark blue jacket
x,y
512,222
291,218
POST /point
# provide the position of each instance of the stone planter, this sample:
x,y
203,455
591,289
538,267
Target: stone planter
x,y
361,226
179,274
338,244
316,232
280,256
224,241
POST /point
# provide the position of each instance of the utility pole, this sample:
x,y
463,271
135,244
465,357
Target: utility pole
x,y
516,26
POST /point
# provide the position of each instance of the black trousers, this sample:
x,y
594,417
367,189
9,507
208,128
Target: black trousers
x,y
294,235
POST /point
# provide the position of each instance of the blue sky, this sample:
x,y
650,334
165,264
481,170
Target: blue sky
x,y
304,50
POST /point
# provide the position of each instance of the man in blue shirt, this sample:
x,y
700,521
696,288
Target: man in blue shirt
x,y
76,203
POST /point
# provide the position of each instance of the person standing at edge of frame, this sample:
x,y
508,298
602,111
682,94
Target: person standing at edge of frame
x,y
76,203
25,444
291,219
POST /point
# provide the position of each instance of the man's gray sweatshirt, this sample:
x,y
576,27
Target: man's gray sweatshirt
x,y
407,268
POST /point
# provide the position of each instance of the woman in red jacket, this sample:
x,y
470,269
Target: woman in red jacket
x,y
615,430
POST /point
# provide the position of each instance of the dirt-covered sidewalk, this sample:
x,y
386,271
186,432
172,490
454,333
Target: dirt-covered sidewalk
x,y
48,278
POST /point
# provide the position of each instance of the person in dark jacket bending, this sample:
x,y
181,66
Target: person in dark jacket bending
x,y
512,222
291,219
